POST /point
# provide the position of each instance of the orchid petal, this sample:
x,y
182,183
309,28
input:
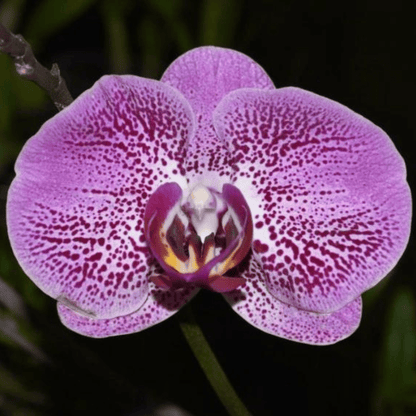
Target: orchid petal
x,y
159,305
204,76
327,190
258,307
75,209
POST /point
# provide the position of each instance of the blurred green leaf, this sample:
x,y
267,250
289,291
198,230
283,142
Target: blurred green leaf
x,y
219,21
400,343
152,46
10,11
397,380
28,95
7,100
167,8
11,386
18,332
113,13
12,300
171,12
50,16
371,296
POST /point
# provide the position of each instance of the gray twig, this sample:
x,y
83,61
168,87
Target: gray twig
x,y
28,67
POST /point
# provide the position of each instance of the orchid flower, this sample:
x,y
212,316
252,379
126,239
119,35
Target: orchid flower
x,y
142,192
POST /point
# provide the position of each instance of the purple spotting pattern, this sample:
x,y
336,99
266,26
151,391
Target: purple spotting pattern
x,y
328,194
158,306
326,188
257,306
76,207
204,76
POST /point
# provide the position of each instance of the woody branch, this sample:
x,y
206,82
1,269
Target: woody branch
x,y
28,67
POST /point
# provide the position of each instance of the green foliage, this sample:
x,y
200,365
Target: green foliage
x,y
114,15
11,387
28,95
7,101
173,14
219,21
396,392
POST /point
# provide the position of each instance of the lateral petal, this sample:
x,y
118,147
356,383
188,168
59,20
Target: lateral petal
x,y
327,190
75,209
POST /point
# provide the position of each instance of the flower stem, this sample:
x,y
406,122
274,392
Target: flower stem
x,y
28,67
209,364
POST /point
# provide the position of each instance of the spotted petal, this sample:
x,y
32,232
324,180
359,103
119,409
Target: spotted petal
x,y
257,306
75,209
159,305
204,76
327,190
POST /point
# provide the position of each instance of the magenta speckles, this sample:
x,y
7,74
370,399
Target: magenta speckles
x,y
204,76
328,207
256,305
328,193
158,306
75,210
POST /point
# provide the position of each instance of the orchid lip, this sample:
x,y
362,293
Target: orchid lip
x,y
196,240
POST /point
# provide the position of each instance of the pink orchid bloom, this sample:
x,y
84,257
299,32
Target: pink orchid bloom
x,y
141,192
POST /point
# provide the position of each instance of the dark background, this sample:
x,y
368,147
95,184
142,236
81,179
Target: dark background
x,y
360,53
